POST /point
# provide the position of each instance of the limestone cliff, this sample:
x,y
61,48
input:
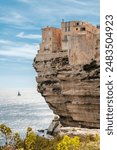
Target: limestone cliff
x,y
69,73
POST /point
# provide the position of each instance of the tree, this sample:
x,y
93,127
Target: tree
x,y
5,132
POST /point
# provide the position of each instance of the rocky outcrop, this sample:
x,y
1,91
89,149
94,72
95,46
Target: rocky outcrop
x,y
83,133
55,126
70,89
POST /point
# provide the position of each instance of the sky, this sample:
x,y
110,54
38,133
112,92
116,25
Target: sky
x,y
20,33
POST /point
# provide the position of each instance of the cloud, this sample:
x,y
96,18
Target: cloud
x,y
28,36
44,12
18,49
48,9
26,1
78,2
14,18
2,41
36,1
17,18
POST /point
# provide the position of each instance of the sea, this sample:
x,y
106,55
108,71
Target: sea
x,y
27,110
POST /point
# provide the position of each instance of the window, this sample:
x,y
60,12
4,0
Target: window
x,y
68,23
77,23
69,28
83,29
46,48
76,28
65,24
65,38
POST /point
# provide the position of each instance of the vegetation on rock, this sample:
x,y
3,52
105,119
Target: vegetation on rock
x,y
34,142
68,143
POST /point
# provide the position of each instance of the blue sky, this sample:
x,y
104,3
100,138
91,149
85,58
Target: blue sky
x,y
20,33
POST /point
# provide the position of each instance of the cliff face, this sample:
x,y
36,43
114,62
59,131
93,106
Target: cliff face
x,y
71,86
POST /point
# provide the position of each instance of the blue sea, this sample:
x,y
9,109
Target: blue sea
x,y
27,110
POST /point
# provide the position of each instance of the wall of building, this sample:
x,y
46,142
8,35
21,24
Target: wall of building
x,y
51,40
80,39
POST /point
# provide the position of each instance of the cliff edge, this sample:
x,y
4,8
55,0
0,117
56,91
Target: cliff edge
x,y
69,72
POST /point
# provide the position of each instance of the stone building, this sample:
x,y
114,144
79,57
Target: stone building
x,y
80,40
51,40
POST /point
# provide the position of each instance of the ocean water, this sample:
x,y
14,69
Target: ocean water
x,y
27,110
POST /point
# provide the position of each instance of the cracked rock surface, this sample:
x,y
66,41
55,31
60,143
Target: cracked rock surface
x,y
72,92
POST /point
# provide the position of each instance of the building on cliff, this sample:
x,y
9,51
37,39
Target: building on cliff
x,y
80,39
69,72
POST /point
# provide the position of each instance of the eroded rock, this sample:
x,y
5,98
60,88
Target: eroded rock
x,y
69,73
